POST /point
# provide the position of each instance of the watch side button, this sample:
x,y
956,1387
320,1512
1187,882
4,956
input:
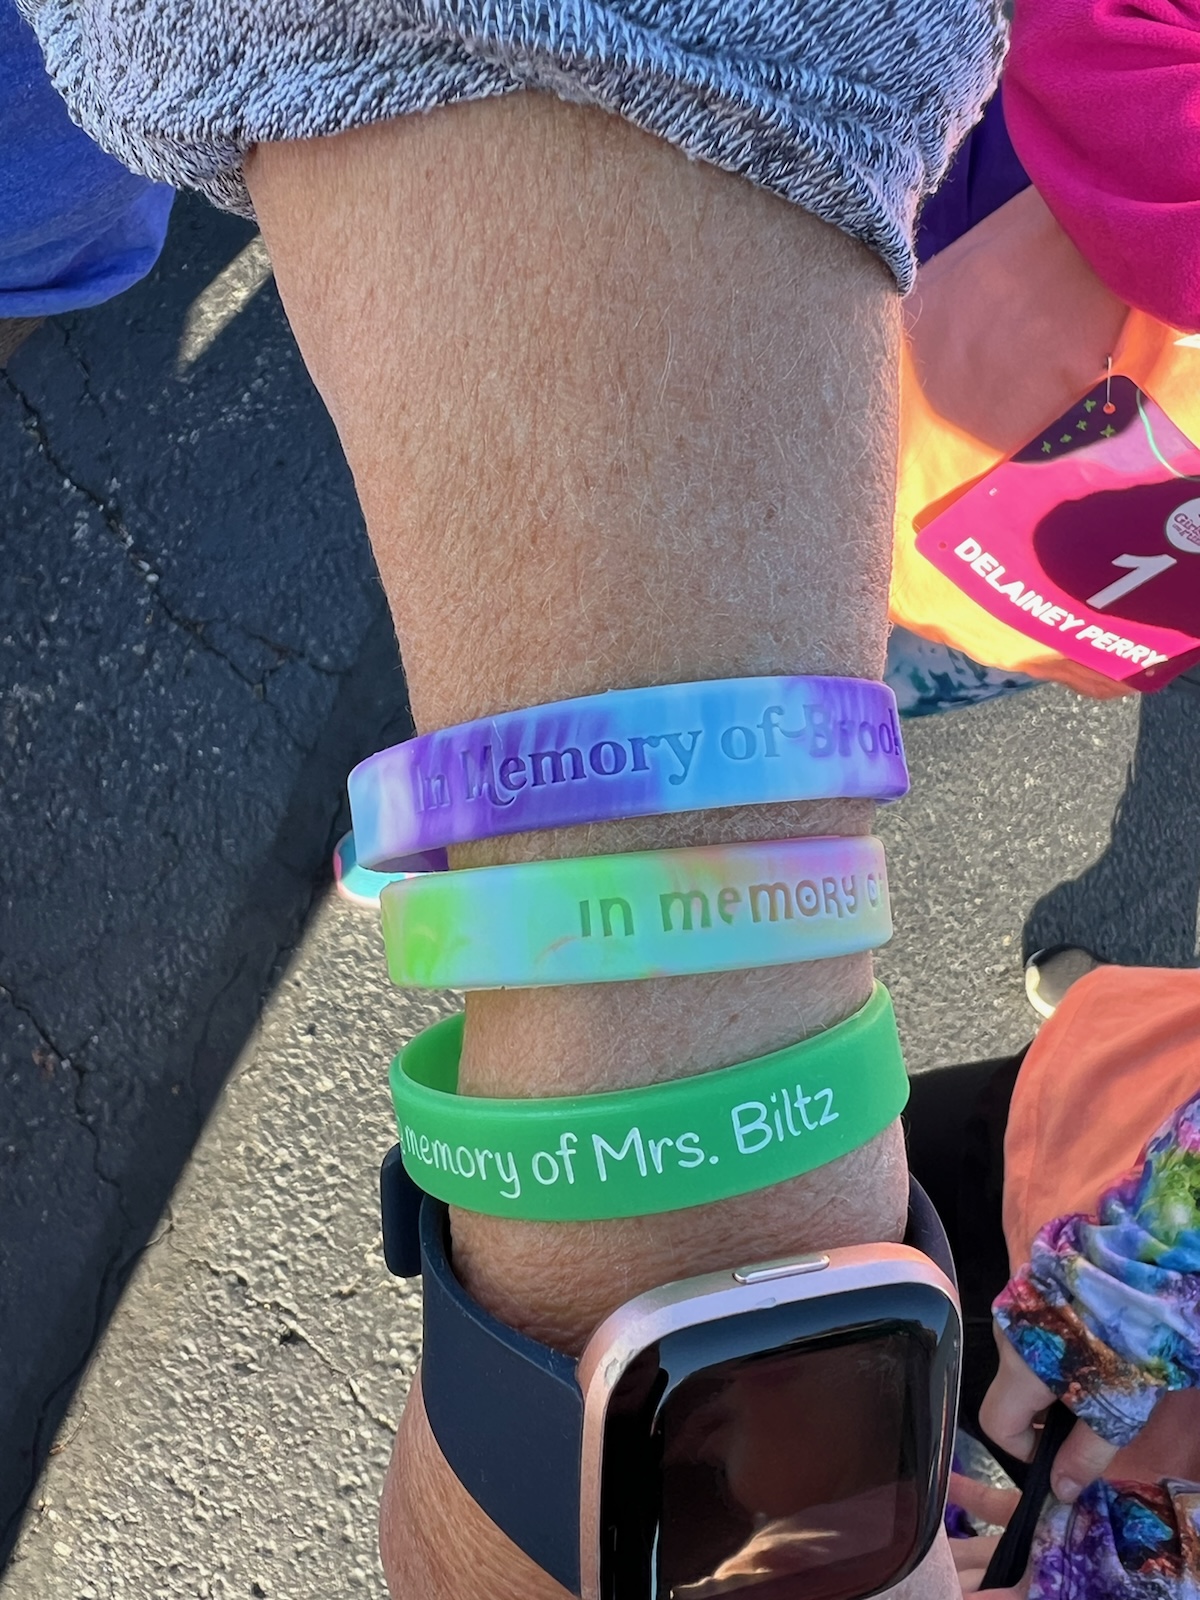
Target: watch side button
x,y
792,1267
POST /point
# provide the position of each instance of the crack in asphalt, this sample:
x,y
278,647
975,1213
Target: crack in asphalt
x,y
84,366
72,1061
35,1022
110,515
294,1330
286,653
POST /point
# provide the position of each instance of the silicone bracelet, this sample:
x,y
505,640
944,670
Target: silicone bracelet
x,y
361,886
630,753
641,1151
649,914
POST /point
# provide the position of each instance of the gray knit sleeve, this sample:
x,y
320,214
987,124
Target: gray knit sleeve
x,y
849,108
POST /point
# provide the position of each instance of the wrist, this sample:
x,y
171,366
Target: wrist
x,y
582,1039
434,1539
557,1281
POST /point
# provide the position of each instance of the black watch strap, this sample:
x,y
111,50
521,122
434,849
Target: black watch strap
x,y
925,1231
507,1411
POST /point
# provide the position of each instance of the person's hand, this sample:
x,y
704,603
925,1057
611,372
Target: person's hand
x,y
1011,1408
985,1503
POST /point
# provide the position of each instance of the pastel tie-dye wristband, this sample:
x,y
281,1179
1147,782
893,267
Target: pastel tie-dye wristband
x,y
630,753
649,914
640,1151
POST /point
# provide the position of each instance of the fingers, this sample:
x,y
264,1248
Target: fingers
x,y
983,1501
973,1555
971,1558
968,1582
1007,1415
1083,1457
1014,1400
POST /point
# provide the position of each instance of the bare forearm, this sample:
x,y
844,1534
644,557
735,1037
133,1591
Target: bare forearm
x,y
615,419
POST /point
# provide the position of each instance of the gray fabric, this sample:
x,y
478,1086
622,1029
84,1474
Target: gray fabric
x,y
849,108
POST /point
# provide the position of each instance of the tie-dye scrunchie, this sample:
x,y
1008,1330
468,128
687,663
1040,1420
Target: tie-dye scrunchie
x,y
1107,1312
1120,1541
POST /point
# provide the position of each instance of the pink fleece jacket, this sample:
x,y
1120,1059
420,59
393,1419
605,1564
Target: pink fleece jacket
x,y
1102,101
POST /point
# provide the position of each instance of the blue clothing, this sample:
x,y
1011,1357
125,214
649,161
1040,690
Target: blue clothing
x,y
850,111
76,227
986,173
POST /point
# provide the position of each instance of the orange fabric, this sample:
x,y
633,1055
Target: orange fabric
x,y
1007,328
1106,1071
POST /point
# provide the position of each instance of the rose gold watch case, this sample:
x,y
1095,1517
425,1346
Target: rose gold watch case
x,y
689,1302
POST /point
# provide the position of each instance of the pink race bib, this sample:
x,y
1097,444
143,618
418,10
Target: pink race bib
x,y
1088,539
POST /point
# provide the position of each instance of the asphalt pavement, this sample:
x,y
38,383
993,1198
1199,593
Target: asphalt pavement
x,y
193,649
201,1354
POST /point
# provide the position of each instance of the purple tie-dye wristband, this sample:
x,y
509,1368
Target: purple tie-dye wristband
x,y
630,753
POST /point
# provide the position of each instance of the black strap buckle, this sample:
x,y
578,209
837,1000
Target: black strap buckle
x,y
400,1204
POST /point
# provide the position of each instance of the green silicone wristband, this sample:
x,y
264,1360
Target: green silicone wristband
x,y
660,1148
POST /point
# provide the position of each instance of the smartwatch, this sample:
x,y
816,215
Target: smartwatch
x,y
782,1430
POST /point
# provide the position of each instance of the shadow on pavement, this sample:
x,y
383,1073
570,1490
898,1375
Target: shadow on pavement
x,y
193,650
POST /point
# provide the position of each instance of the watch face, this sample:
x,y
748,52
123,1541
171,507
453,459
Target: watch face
x,y
795,1453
